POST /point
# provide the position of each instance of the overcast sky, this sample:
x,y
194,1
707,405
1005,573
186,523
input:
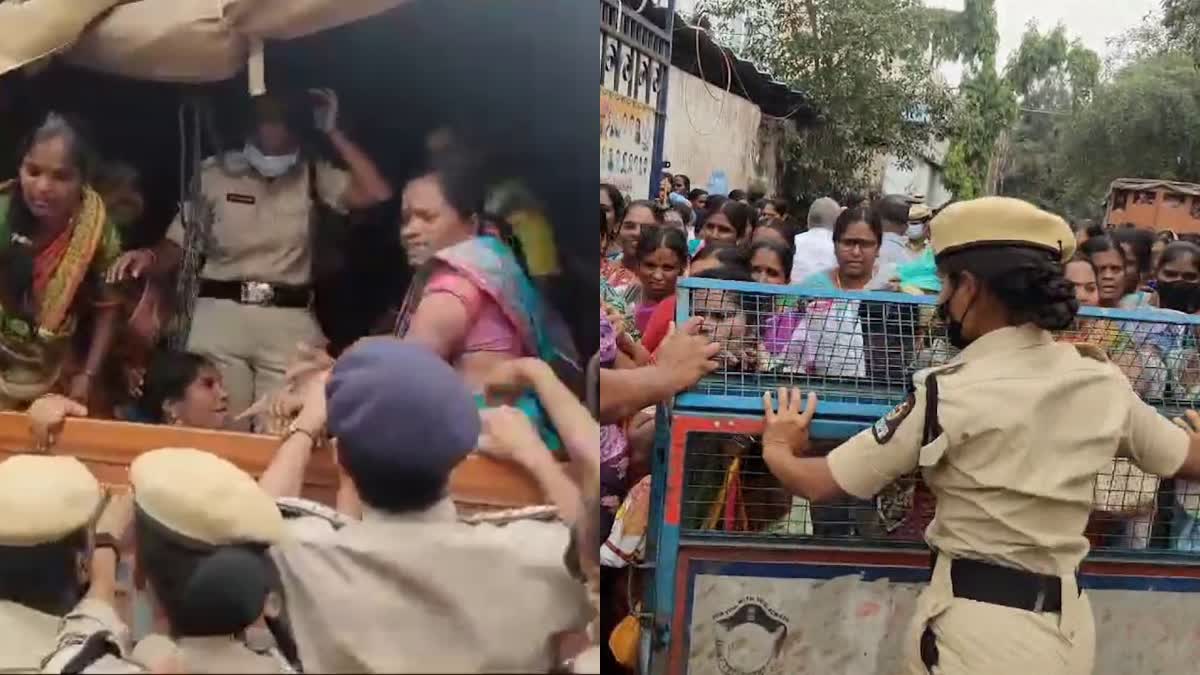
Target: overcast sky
x,y
1093,21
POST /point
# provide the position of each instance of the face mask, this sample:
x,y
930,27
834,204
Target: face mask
x,y
1182,296
915,231
954,327
269,166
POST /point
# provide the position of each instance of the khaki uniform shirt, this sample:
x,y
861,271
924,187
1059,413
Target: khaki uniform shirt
x,y
1027,425
26,637
427,593
90,620
262,228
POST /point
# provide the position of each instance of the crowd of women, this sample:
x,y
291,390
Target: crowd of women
x,y
475,359
647,246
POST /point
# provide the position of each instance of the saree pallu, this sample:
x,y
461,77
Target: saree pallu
x,y
490,266
33,352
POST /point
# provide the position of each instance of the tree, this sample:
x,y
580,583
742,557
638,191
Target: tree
x,y
1181,18
864,64
1050,77
1144,123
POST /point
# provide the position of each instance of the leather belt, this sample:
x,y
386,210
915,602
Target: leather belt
x,y
1006,586
258,293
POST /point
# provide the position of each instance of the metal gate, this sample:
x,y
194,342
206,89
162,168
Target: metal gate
x,y
635,60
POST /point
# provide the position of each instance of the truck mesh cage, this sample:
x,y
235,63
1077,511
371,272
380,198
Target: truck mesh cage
x,y
858,352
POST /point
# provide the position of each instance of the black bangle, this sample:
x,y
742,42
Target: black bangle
x,y
106,540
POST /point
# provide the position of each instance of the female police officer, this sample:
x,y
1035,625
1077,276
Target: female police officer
x,y
1000,436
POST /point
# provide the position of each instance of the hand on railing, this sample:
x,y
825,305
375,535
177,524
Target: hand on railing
x,y
47,416
785,432
686,355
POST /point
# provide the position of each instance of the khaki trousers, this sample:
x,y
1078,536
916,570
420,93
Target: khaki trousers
x,y
251,345
978,638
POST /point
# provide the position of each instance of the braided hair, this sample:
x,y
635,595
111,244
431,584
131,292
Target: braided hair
x,y
1028,282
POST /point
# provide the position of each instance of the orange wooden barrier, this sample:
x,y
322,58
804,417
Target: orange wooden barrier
x,y
107,447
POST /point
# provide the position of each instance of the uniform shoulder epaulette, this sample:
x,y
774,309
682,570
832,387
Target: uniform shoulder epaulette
x,y
1091,351
298,507
545,512
944,369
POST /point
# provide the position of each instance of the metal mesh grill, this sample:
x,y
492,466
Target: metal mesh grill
x,y
864,348
728,490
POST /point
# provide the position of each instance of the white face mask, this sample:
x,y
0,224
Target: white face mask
x,y
915,231
269,166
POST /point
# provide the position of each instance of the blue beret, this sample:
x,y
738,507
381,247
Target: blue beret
x,y
399,408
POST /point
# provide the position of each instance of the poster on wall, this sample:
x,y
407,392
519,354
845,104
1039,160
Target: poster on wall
x,y
626,143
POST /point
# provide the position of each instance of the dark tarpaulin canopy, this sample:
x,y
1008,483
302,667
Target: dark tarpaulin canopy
x,y
508,74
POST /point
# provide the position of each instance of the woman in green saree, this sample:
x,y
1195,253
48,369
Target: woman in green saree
x,y
55,244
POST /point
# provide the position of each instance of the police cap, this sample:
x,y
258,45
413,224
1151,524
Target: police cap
x,y
1000,221
43,499
204,498
399,408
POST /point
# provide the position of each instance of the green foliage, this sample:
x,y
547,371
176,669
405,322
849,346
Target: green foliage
x,y
987,103
1144,123
864,63
1181,18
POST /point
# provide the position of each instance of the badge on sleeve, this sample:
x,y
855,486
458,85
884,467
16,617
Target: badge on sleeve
x,y
886,427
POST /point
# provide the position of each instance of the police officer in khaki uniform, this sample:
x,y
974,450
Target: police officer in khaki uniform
x,y
1009,436
202,531
255,290
411,588
47,505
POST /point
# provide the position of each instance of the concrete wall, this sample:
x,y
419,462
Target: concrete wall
x,y
711,136
848,625
924,176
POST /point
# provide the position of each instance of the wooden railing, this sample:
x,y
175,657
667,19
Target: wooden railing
x,y
107,448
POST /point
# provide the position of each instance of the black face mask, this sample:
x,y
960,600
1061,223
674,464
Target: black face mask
x,y
1183,296
954,327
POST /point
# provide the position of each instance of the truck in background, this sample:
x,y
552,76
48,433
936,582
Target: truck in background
x,y
1155,204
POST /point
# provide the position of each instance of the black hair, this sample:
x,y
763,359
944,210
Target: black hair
x,y
857,214
687,182
16,255
1081,258
785,253
726,253
460,175
695,194
204,590
780,225
617,199
44,577
737,195
661,236
1180,249
1094,230
168,376
1140,242
654,207
1099,244
1028,282
781,206
739,215
748,302
685,212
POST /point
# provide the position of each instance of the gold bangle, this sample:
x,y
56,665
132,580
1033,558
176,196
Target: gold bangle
x,y
292,430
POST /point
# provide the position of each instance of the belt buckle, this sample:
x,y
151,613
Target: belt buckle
x,y
257,293
1039,603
